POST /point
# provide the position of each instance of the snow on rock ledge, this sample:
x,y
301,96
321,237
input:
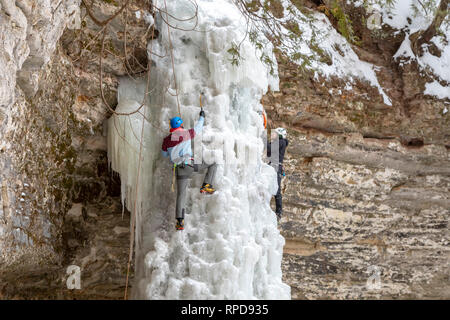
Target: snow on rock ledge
x,y
231,247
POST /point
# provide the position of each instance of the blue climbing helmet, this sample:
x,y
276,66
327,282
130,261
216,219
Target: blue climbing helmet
x,y
176,122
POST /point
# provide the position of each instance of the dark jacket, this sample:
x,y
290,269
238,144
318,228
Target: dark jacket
x,y
283,143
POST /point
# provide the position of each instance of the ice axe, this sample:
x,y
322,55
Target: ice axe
x,y
201,104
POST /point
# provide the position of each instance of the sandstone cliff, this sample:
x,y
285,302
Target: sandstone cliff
x,y
367,184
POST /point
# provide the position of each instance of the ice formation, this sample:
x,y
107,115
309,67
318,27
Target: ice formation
x,y
231,247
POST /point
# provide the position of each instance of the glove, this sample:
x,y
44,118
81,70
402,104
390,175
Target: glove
x,y
202,113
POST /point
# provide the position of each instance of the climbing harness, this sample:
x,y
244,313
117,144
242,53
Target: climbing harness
x,y
182,166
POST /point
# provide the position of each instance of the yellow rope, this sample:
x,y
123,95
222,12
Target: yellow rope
x,y
173,177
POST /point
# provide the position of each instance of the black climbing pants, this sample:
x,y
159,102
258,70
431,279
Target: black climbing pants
x,y
184,173
278,197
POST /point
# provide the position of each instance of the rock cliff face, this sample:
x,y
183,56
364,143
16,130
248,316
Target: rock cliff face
x,y
59,203
35,155
367,184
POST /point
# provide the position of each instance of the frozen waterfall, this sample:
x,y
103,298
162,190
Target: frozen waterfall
x,y
231,247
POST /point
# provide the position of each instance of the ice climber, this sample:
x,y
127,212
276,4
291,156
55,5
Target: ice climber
x,y
177,146
281,134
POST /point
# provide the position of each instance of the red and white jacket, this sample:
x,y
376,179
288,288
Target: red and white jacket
x,y
177,144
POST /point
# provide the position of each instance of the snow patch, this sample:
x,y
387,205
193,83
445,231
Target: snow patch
x,y
403,17
318,40
436,89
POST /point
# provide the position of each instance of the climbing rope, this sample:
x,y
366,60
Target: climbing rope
x,y
172,59
175,81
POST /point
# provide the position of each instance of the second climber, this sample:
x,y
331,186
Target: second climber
x,y
280,140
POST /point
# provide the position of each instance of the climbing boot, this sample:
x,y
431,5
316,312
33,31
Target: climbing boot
x,y
180,224
207,188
